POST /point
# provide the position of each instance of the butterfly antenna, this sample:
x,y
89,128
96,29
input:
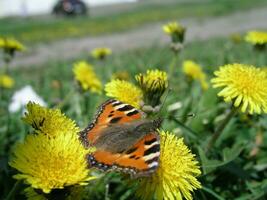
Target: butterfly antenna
x,y
191,115
164,100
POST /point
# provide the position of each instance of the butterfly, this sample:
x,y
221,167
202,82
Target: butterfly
x,y
124,140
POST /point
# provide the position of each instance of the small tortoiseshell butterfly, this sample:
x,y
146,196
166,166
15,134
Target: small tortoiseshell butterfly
x,y
124,140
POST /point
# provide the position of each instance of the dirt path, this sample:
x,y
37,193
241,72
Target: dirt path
x,y
145,36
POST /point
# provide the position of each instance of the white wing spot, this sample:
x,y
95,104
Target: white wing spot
x,y
153,164
151,145
120,106
151,156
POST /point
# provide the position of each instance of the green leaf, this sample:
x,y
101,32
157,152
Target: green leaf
x,y
207,165
229,154
214,194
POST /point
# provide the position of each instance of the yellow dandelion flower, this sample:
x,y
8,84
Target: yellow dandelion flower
x,y
256,37
48,121
124,91
10,45
6,81
194,71
175,30
175,178
245,85
48,163
101,53
85,75
153,84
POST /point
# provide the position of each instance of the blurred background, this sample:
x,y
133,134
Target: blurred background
x,y
50,27
42,41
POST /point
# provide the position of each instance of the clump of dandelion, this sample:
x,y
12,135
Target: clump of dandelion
x,y
257,38
194,72
101,53
153,84
176,176
86,76
6,81
244,85
48,161
175,30
124,91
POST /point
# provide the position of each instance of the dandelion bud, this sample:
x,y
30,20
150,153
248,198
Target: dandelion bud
x,y
176,31
101,53
153,85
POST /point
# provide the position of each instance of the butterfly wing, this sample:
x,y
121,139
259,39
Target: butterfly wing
x,y
110,112
140,160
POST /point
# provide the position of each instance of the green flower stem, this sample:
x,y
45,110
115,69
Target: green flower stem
x,y
188,106
66,99
221,127
7,59
214,194
107,192
1,93
6,69
87,103
13,191
192,133
172,66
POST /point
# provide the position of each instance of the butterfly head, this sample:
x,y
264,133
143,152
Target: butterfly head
x,y
157,123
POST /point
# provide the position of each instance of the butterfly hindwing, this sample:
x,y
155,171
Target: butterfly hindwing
x,y
110,112
141,159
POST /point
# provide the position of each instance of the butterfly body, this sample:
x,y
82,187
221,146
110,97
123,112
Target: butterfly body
x,y
124,140
120,137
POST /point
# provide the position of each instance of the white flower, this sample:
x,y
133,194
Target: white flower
x,y
21,97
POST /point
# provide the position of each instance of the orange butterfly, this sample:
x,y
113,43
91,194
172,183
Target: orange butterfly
x,y
124,140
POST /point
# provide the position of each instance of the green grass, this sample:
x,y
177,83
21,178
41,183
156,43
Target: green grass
x,y
234,174
37,29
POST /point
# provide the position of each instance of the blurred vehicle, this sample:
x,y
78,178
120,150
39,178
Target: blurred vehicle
x,y
70,7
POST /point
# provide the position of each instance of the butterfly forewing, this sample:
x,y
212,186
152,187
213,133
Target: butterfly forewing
x,y
110,112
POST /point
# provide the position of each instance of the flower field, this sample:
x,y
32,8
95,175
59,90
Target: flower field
x,y
186,121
